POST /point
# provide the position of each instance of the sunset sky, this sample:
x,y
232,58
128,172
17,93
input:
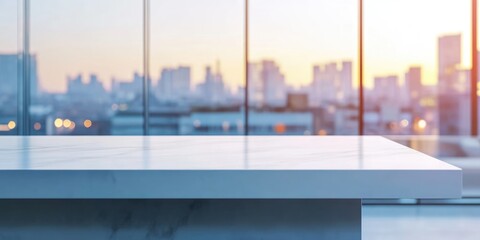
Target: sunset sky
x,y
105,36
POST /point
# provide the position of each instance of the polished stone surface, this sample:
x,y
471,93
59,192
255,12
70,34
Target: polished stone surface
x,y
180,219
212,153
460,151
220,167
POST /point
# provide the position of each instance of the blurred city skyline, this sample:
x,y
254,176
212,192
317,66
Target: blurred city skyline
x,y
187,32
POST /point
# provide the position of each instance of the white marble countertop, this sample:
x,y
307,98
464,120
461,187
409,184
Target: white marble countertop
x,y
220,167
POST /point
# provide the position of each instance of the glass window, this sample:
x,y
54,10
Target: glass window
x,y
302,67
88,76
478,68
10,66
417,67
197,67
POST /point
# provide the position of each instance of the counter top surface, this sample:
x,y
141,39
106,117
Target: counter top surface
x,y
220,167
212,152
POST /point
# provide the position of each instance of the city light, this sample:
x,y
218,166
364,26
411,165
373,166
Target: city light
x,y
87,123
67,123
58,123
422,124
404,123
280,128
37,126
11,125
322,132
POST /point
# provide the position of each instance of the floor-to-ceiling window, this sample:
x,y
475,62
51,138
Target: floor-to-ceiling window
x,y
417,67
86,67
303,67
85,63
10,60
196,54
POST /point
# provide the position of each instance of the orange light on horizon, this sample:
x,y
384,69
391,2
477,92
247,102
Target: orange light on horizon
x,y
37,126
67,123
58,123
87,123
322,132
422,124
280,128
11,125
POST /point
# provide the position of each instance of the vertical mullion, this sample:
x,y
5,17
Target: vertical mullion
x,y
360,69
146,63
474,74
246,100
25,80
20,54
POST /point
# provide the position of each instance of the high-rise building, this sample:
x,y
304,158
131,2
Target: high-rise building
x,y
255,88
413,84
325,83
9,71
11,66
386,88
127,90
449,98
346,82
449,59
273,82
332,84
212,91
93,90
174,84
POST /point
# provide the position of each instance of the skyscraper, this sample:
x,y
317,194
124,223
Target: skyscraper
x,y
255,89
346,82
449,58
212,90
9,70
274,87
413,84
332,84
91,91
386,89
11,66
449,98
174,84
324,84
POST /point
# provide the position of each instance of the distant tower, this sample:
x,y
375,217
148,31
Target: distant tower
x,y
449,58
274,87
386,89
449,99
346,83
413,83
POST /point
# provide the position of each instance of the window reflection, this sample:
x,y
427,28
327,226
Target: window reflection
x,y
417,68
10,61
302,68
89,57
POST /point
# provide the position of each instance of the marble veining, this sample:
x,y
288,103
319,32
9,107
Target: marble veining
x,y
212,153
220,167
180,219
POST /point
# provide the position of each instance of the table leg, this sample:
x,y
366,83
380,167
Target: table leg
x,y
181,219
